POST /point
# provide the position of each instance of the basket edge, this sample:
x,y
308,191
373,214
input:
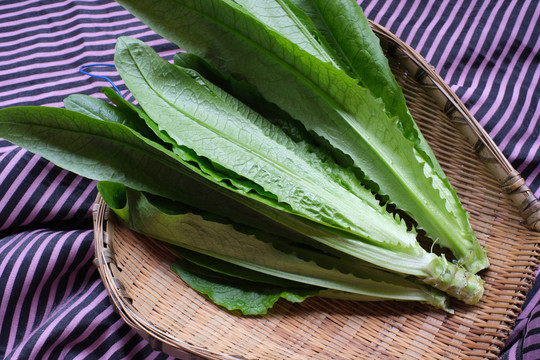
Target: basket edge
x,y
105,262
510,180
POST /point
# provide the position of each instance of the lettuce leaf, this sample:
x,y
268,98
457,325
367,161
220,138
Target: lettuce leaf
x,y
110,151
251,298
255,157
192,142
247,253
327,101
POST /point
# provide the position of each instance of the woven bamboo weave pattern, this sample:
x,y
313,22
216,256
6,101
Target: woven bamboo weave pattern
x,y
182,323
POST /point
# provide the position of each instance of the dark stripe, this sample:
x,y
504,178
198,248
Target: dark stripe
x,y
371,8
21,177
14,271
29,44
60,57
453,19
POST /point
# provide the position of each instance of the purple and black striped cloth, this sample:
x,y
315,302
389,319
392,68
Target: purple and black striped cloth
x,y
52,302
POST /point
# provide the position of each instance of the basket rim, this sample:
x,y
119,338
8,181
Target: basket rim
x,y
510,181
509,178
121,303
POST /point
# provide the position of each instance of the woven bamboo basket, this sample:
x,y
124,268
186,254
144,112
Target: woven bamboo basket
x,y
180,322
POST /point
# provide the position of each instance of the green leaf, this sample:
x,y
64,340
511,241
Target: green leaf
x,y
250,298
115,195
247,253
138,119
338,32
235,271
95,108
343,25
108,151
99,109
327,101
283,17
195,115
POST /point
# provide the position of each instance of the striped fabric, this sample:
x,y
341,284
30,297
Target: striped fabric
x,y
489,53
52,302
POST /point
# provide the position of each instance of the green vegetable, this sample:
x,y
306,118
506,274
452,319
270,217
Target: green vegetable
x,y
108,151
328,102
268,256
251,298
123,113
345,35
260,159
267,157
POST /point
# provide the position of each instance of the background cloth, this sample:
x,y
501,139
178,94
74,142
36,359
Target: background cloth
x,y
53,304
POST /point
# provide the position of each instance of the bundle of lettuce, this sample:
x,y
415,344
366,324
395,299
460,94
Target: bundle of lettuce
x,y
276,156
